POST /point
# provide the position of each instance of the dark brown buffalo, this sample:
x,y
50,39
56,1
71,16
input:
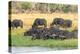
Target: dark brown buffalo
x,y
57,21
17,23
40,22
67,23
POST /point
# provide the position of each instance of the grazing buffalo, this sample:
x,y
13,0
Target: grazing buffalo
x,y
67,23
37,34
17,23
57,21
40,22
54,32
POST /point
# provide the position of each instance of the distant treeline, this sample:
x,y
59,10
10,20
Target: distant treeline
x,y
26,7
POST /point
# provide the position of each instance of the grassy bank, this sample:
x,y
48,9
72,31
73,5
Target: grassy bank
x,y
19,40
26,41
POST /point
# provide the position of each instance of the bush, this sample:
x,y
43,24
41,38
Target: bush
x,y
26,5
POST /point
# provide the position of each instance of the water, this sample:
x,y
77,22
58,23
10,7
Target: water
x,y
16,50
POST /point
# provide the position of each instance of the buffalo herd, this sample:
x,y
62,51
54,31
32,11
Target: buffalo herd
x,y
53,32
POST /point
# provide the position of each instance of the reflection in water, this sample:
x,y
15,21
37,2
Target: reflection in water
x,y
33,49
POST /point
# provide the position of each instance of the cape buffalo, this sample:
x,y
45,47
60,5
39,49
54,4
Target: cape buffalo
x,y
57,21
56,33
17,23
40,22
67,23
38,33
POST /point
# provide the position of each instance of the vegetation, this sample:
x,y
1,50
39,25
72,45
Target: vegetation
x,y
26,5
43,7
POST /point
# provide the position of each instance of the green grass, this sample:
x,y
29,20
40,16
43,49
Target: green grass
x,y
19,40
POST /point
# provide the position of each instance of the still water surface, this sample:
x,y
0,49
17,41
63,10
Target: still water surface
x,y
16,50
